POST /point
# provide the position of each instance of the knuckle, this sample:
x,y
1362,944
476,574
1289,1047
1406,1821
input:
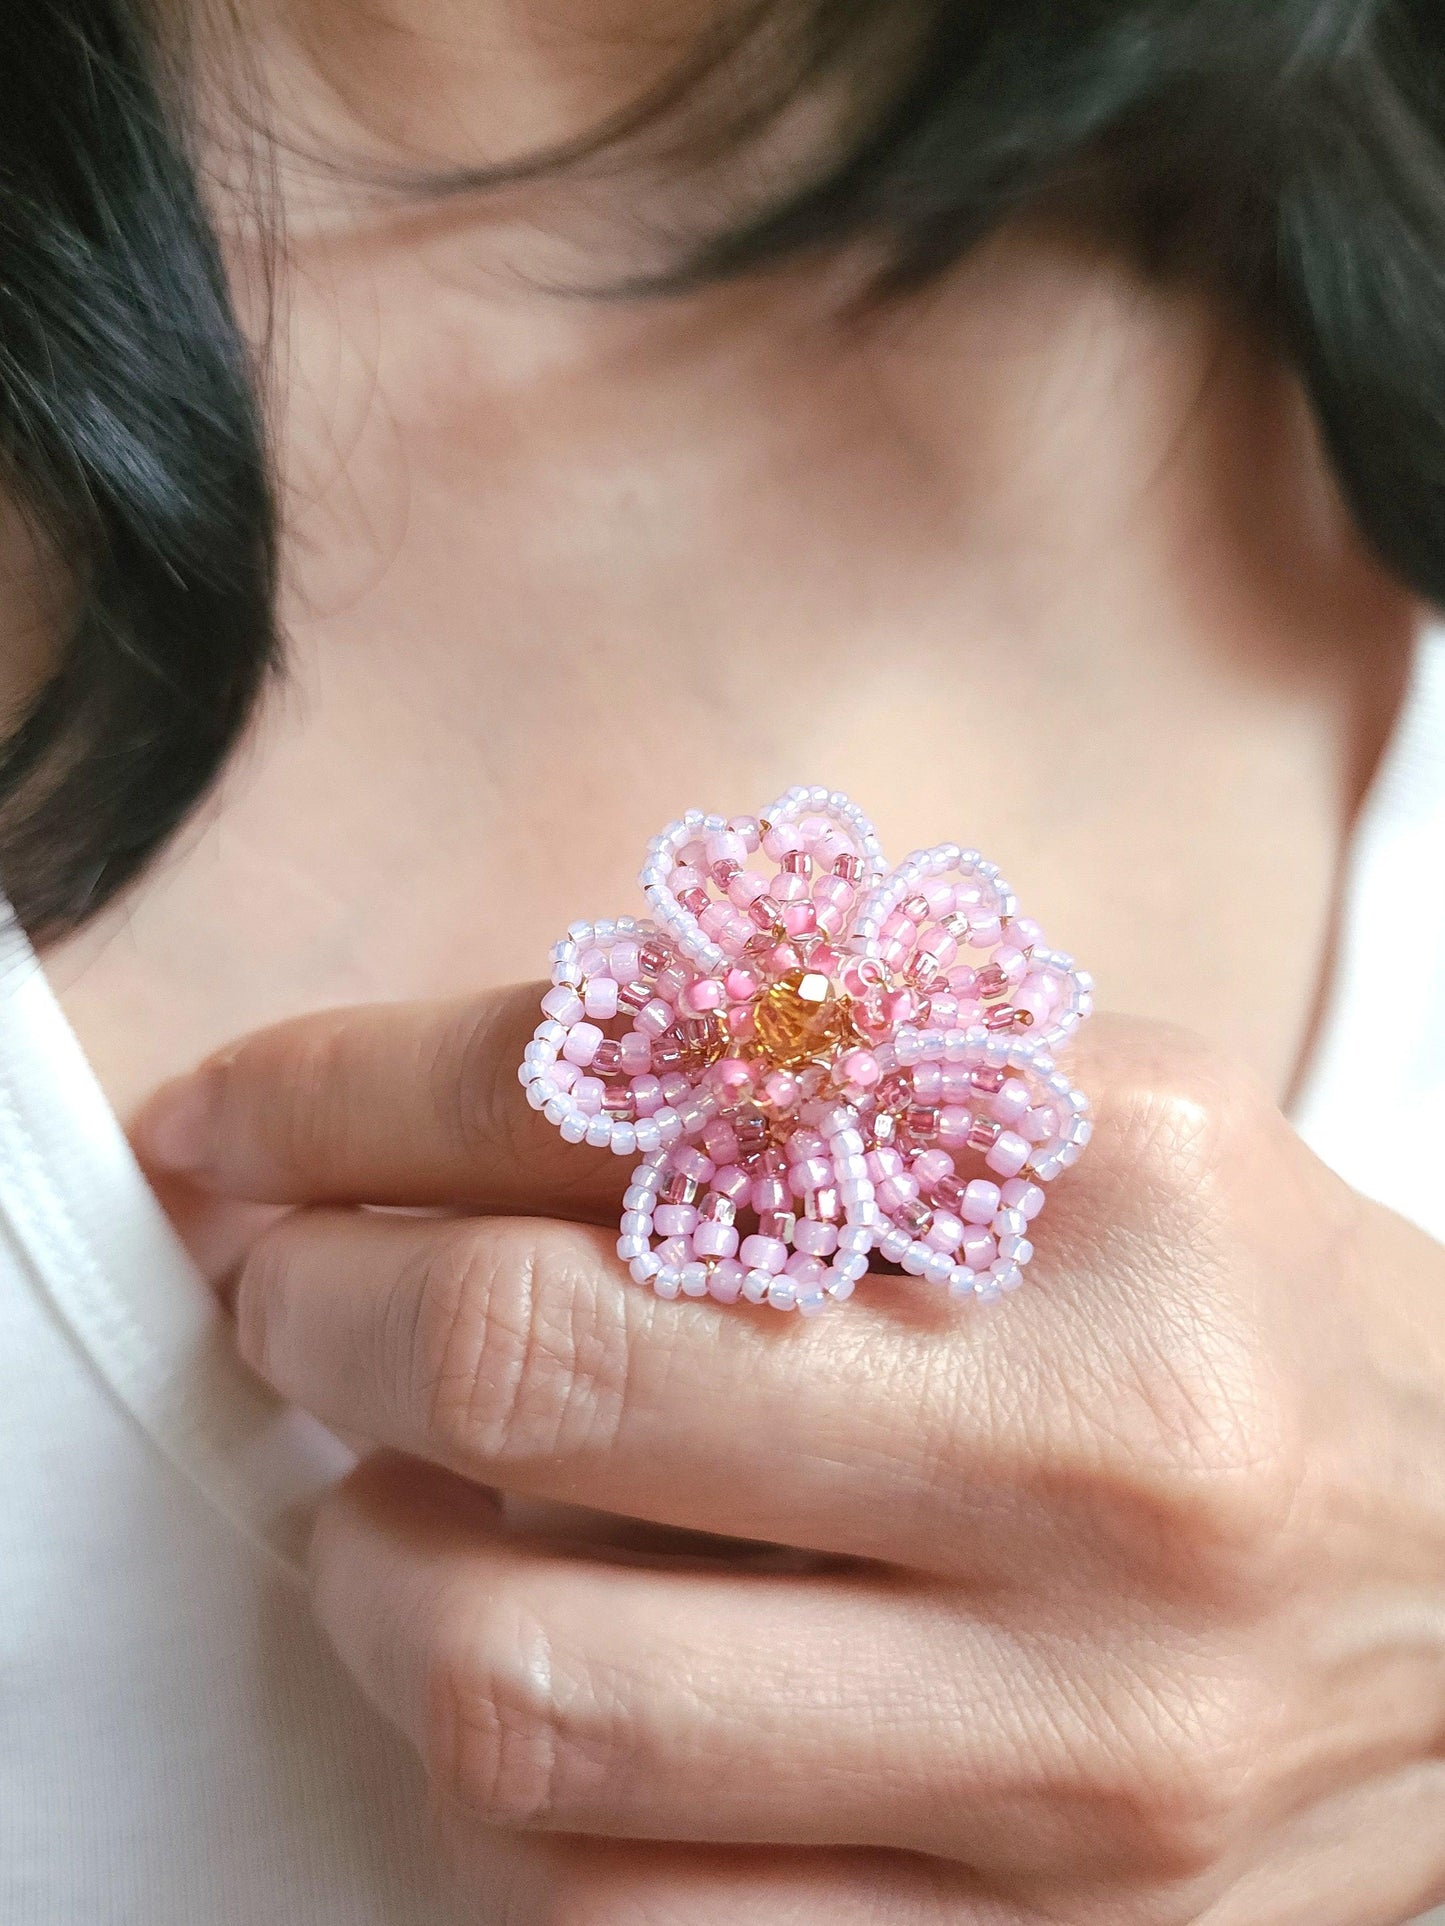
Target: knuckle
x,y
298,1078
1169,1407
1179,1788
474,1084
263,1289
1202,1441
520,1350
514,1734
1194,1468
1175,1119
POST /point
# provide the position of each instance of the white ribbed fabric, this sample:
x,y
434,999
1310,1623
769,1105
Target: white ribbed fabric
x,y
176,1746
1372,1102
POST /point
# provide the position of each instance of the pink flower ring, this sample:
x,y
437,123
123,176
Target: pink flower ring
x,y
816,1058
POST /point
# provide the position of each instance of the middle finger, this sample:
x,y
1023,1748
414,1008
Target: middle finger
x,y
508,1350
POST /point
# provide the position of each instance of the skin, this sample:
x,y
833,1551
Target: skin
x,y
1125,1604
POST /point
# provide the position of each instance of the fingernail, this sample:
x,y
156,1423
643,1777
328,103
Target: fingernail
x,y
174,1129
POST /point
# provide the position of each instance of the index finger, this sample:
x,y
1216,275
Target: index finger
x,y
403,1104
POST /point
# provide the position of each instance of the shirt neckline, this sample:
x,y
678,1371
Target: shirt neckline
x,y
100,1250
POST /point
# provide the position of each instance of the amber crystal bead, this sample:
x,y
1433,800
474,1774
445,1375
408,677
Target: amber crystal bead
x,y
797,1019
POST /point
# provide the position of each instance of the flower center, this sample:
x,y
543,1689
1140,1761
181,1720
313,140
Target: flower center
x,y
798,1019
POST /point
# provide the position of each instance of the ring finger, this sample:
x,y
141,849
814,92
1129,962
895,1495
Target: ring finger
x,y
547,1691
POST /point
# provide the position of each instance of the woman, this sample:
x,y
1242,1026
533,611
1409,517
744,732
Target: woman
x,y
1027,419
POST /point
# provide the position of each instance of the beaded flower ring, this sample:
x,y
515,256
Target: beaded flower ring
x,y
816,1058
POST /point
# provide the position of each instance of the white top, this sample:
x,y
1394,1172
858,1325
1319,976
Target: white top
x,y
177,1748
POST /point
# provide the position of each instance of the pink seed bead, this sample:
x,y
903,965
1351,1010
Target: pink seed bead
x,y
1019,1195
980,1202
883,1163
954,1126
930,1166
815,1239
582,1044
721,1142
800,919
894,1192
780,1089
589,1094
1035,1003
1011,1103
958,1085
675,1220
781,841
1039,1125
741,984
760,1253
705,994
804,1144
724,846
769,1194
977,1250
806,1269
733,1183
715,1240
726,1281
1011,962
929,1082
636,1053
811,1174
672,981
563,1005
745,889
860,1067
622,964
689,1161
655,1018
646,1095
600,997
948,1192
946,1234
1009,1155
824,1206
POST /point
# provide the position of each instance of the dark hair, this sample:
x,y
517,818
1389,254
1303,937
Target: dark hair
x,y
1291,151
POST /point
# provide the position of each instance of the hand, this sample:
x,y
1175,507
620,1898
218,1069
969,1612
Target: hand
x,y
1124,1601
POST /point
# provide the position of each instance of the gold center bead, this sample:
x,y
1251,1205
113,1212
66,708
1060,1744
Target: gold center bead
x,y
797,1019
